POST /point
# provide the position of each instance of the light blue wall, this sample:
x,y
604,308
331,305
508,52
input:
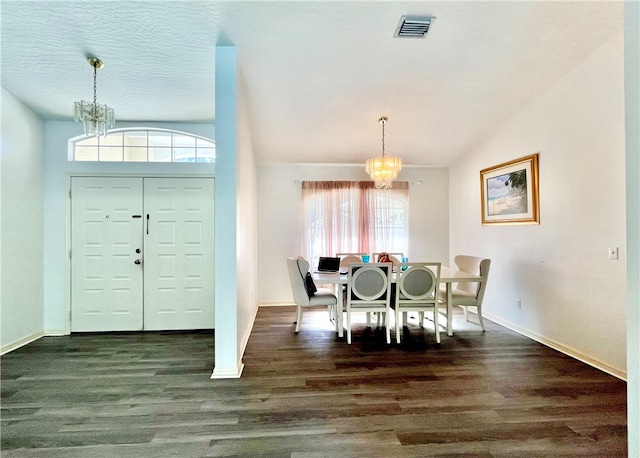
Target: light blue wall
x,y
58,171
227,358
21,224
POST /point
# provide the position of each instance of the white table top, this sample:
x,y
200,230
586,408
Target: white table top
x,y
447,275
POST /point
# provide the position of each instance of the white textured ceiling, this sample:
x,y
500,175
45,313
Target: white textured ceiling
x,y
316,75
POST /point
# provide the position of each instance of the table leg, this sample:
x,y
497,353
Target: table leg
x,y
449,309
339,310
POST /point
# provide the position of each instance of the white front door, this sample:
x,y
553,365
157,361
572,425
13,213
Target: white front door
x,y
106,232
141,254
178,259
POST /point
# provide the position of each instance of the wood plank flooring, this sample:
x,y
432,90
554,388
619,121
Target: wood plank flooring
x,y
493,394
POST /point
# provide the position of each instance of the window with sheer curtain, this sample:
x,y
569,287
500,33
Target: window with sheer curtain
x,y
353,216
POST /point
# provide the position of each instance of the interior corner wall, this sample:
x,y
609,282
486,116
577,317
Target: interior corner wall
x,y
247,227
280,217
573,297
22,224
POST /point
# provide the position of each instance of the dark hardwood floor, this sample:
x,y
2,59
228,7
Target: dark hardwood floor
x,y
493,394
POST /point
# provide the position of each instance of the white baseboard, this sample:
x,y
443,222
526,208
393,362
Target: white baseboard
x,y
21,342
227,373
236,373
247,334
276,304
622,375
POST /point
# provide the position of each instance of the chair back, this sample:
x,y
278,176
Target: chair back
x,y
394,258
348,259
298,268
369,284
474,265
419,282
397,254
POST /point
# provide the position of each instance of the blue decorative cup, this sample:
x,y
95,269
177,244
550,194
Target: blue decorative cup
x,y
365,258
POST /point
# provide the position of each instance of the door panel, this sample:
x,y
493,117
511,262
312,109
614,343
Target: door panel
x,y
179,263
106,284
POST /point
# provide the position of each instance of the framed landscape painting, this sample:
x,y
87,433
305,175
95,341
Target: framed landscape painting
x,y
509,192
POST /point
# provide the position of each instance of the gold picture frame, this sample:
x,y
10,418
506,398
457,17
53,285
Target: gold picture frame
x,y
509,192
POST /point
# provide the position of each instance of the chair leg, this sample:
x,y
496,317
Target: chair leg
x,y
479,310
298,318
349,327
386,327
421,319
399,315
466,313
368,319
435,323
333,317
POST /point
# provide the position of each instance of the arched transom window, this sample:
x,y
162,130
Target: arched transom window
x,y
142,145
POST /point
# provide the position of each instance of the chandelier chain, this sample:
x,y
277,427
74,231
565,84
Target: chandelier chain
x,y
95,90
95,84
383,123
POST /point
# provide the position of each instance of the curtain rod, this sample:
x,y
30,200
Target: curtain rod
x,y
410,182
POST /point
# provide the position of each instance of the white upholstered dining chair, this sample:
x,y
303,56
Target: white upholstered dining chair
x,y
341,255
417,291
298,268
348,259
394,257
369,290
469,294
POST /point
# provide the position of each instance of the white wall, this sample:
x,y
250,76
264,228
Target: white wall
x,y
247,249
58,171
22,223
573,297
280,217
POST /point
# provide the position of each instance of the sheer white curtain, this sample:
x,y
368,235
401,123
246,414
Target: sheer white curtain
x,y
353,216
388,218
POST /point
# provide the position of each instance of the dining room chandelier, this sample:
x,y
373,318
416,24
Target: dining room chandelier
x,y
383,169
97,118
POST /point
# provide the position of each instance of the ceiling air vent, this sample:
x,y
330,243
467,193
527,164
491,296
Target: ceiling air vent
x,y
413,26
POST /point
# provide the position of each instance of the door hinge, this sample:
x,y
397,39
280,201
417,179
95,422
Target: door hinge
x,y
69,254
69,193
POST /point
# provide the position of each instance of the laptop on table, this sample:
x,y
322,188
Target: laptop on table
x,y
328,264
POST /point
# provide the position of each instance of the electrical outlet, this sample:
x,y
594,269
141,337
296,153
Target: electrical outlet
x,y
613,252
518,304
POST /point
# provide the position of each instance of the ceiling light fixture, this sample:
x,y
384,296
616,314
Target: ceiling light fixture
x,y
383,169
97,119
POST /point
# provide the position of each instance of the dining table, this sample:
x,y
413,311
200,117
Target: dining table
x,y
447,278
